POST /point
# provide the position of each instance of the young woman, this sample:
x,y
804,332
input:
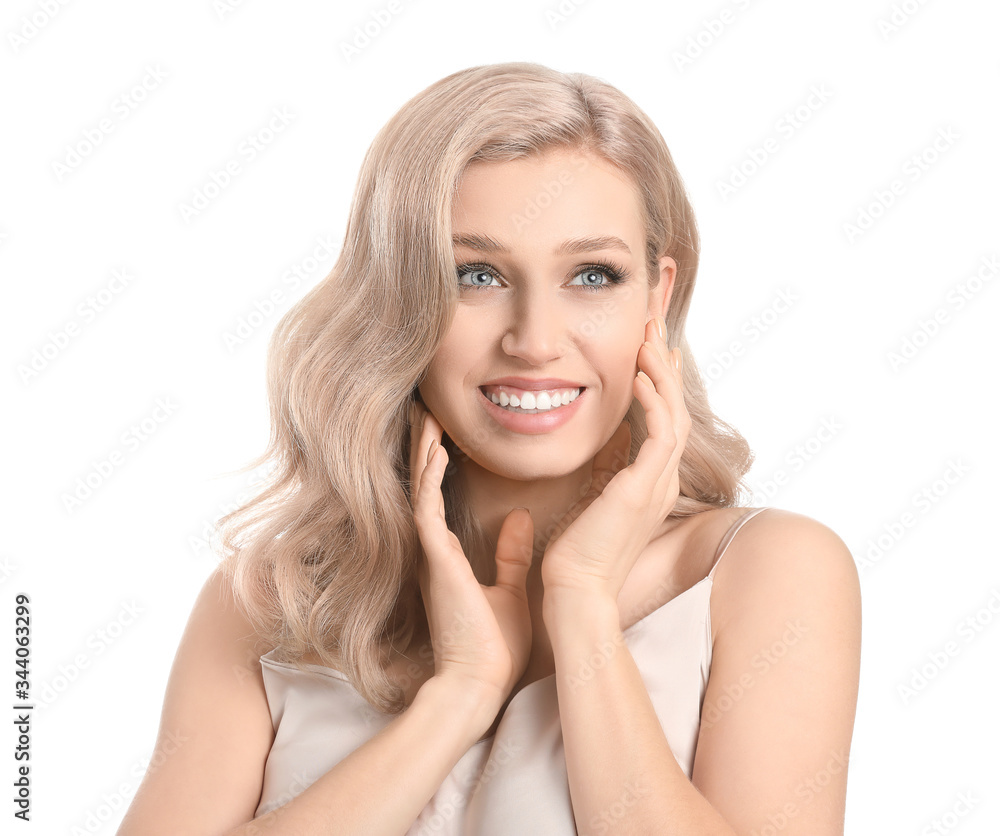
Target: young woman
x,y
485,592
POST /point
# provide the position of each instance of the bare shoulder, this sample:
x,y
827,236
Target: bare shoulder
x,y
218,602
785,558
219,632
779,707
215,731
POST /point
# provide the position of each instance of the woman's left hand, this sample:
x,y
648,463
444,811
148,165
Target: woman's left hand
x,y
606,531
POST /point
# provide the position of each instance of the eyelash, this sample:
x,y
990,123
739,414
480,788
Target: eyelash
x,y
614,272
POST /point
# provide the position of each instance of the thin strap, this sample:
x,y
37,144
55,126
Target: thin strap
x,y
728,536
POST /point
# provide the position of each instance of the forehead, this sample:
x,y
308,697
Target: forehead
x,y
558,193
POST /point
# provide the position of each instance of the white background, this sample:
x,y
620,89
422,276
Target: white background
x,y
112,579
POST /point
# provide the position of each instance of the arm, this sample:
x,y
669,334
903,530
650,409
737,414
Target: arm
x,y
623,777
215,735
412,756
791,638
768,758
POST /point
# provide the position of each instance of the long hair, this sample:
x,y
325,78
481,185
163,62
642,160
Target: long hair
x,y
324,559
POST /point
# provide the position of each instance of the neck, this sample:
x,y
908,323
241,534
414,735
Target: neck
x,y
492,497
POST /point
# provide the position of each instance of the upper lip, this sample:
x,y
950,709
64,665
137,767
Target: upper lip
x,y
534,384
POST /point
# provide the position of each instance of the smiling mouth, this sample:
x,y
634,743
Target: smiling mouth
x,y
525,402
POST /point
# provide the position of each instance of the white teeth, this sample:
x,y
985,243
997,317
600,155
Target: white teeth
x,y
534,402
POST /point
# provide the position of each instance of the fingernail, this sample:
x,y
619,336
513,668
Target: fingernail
x,y
661,327
677,359
430,453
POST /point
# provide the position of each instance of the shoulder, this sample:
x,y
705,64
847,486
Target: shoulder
x,y
780,563
217,603
785,666
215,726
219,635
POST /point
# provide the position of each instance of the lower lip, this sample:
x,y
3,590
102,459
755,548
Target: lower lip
x,y
539,422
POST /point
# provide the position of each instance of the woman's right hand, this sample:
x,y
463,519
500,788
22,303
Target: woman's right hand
x,y
481,635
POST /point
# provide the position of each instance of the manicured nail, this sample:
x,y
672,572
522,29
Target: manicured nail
x,y
661,327
433,449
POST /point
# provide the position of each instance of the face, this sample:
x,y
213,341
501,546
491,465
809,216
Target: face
x,y
550,263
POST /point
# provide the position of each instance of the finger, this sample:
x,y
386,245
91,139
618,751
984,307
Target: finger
x,y
418,464
514,552
652,387
667,419
423,519
658,343
416,420
423,578
659,457
661,370
673,394
439,543
430,442
424,432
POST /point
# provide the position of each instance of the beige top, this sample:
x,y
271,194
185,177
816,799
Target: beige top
x,y
513,781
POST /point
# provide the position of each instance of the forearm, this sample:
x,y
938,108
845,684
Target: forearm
x,y
382,786
623,777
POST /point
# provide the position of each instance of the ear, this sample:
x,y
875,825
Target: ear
x,y
659,296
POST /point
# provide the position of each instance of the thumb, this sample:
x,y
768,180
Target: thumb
x,y
514,551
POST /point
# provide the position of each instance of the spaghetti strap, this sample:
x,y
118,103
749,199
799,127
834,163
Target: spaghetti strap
x,y
727,538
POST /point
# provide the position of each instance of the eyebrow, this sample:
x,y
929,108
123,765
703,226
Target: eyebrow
x,y
486,244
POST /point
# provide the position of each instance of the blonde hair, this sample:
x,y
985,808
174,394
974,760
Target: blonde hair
x,y
324,559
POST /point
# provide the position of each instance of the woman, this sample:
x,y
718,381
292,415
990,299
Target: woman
x,y
485,592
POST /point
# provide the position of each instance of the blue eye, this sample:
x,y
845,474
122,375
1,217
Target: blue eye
x,y
594,271
477,271
614,273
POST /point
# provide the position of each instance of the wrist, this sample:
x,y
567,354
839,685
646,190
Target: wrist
x,y
563,579
585,632
471,707
566,605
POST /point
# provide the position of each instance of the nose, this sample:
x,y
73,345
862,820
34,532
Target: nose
x,y
538,331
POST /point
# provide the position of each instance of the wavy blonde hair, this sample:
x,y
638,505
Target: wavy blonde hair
x,y
324,559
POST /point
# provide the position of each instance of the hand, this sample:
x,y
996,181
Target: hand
x,y
605,532
481,635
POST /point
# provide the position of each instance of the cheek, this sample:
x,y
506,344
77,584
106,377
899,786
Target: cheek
x,y
629,356
616,354
453,369
616,349
626,368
